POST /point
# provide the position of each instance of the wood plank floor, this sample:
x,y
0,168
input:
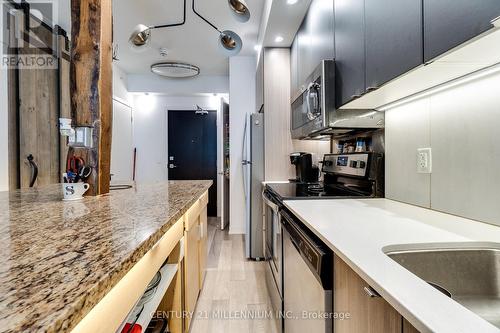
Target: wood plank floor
x,y
234,287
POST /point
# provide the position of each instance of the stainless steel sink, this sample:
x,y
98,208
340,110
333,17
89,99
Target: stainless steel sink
x,y
469,273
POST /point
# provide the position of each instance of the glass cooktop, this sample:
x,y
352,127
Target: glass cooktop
x,y
288,191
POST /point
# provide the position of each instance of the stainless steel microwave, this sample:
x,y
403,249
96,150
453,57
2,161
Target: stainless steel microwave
x,y
314,113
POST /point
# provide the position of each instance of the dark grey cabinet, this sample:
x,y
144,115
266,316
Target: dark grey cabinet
x,y
393,39
294,67
349,50
449,23
314,42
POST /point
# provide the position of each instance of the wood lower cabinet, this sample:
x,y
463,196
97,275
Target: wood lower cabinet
x,y
367,314
408,328
195,254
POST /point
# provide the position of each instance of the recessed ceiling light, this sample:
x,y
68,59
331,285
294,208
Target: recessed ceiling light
x,y
291,2
257,47
278,39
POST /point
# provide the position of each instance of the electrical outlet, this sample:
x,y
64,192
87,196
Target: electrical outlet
x,y
424,160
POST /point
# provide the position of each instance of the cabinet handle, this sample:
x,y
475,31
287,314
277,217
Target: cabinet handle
x,y
355,96
496,22
372,293
371,89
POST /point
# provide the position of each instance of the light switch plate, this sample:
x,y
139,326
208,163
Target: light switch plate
x,y
424,160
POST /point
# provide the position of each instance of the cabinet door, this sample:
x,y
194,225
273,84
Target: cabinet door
x,y
303,54
394,41
202,247
367,314
320,31
349,50
449,23
191,269
294,67
408,328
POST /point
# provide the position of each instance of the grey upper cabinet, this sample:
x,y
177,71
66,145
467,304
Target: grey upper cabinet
x,y
349,50
320,32
294,67
449,23
314,42
393,39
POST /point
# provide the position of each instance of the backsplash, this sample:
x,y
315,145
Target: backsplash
x,y
462,126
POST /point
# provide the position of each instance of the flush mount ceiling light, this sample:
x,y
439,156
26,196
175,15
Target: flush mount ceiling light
x,y
239,9
229,41
175,69
278,39
291,2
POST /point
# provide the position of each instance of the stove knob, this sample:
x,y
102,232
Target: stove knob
x,y
354,164
328,163
362,164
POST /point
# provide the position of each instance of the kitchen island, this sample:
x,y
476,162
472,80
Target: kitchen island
x,y
59,259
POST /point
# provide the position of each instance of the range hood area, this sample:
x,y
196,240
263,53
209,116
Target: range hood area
x,y
481,54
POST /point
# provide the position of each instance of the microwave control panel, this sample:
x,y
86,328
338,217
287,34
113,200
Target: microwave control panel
x,y
354,164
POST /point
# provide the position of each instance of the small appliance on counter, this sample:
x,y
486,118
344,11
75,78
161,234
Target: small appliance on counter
x,y
305,171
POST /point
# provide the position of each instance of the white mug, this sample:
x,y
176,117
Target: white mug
x,y
74,191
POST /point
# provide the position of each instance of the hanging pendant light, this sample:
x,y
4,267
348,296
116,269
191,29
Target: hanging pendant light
x,y
140,37
230,42
240,10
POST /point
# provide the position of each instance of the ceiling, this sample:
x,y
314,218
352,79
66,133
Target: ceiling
x,y
195,42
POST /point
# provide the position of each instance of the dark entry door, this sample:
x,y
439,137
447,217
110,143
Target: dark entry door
x,y
192,149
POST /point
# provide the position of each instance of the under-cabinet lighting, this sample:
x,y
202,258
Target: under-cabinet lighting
x,y
444,86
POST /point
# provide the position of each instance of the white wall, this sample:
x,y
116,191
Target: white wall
x,y
203,84
120,85
461,125
151,135
241,103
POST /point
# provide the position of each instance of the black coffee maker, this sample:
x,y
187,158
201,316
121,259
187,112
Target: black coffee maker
x,y
305,171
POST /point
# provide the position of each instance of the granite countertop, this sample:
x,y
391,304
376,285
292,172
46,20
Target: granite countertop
x,y
58,259
359,231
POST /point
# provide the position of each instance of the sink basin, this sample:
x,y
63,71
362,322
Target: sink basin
x,y
468,273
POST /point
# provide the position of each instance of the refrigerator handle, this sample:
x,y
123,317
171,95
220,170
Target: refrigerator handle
x,y
244,161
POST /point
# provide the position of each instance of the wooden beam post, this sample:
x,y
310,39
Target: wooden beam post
x,y
91,85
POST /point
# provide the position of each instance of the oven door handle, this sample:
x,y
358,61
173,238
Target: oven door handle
x,y
269,203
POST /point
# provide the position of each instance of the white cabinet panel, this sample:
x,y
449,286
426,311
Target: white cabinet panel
x,y
407,129
466,150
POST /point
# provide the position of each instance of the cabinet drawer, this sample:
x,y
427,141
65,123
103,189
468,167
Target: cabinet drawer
x,y
204,200
192,215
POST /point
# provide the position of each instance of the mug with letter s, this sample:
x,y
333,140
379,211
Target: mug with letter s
x,y
74,191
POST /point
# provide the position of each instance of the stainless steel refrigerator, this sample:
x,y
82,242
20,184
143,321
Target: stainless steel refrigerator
x,y
253,176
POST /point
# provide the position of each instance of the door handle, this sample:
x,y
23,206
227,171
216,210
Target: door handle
x,y
172,166
370,292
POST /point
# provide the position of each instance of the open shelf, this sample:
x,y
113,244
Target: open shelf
x,y
167,272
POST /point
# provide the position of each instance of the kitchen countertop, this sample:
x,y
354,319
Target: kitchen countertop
x,y
358,230
58,259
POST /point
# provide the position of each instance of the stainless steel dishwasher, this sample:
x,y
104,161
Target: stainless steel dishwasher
x,y
308,279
